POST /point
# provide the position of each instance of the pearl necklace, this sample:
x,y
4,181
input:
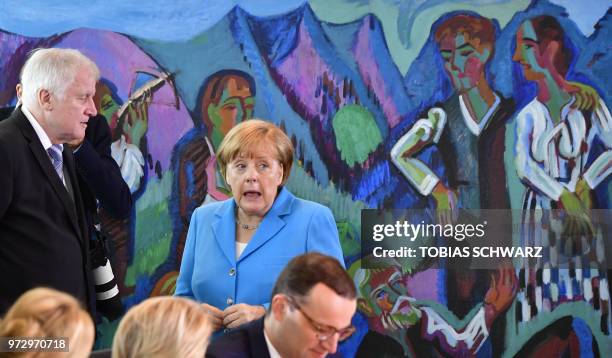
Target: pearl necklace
x,y
246,226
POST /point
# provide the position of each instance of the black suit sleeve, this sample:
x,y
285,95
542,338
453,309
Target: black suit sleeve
x,y
99,170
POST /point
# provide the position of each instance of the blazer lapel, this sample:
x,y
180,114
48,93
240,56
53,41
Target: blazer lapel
x,y
224,229
272,223
45,164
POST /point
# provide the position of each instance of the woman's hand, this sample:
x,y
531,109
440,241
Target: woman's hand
x,y
239,314
216,316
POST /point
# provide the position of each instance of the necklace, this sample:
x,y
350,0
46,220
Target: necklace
x,y
246,226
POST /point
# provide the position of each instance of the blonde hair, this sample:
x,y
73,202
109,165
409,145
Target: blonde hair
x,y
163,327
245,137
45,312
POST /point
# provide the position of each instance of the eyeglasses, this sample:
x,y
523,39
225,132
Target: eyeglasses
x,y
323,332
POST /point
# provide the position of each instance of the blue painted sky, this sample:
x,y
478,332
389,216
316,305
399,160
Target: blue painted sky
x,y
157,19
164,20
182,20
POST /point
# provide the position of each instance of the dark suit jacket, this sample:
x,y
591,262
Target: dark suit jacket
x,y
43,237
243,342
99,175
100,178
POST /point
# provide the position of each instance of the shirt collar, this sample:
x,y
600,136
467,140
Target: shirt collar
x,y
40,132
273,352
474,126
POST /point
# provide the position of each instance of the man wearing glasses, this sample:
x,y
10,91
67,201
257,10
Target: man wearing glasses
x,y
311,308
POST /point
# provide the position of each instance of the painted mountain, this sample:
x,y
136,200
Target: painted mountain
x,y
597,56
334,88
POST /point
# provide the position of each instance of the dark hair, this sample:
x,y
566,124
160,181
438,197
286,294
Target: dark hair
x,y
212,90
476,27
548,29
303,272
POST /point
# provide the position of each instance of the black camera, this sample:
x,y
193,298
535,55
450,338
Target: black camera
x,y
108,301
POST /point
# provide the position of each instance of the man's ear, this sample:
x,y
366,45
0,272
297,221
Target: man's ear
x,y
44,99
278,305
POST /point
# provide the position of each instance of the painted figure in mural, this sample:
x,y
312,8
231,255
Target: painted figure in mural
x,y
469,130
417,321
470,124
128,128
230,243
310,312
226,99
553,145
41,210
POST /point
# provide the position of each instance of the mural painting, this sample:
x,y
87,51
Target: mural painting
x,y
442,105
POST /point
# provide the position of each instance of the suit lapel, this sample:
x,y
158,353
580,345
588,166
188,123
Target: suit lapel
x,y
77,202
224,229
272,223
45,164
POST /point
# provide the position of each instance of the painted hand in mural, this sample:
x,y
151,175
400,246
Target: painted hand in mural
x,y
587,98
446,204
239,314
136,122
584,194
216,316
503,288
578,222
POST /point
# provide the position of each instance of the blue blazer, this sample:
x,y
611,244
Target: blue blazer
x,y
210,272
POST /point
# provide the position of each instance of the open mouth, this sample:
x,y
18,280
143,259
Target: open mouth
x,y
251,194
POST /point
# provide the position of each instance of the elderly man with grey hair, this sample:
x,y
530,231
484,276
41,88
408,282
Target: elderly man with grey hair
x,y
43,235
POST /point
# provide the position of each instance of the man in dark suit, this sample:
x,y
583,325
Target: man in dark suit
x,y
101,185
311,308
98,173
43,234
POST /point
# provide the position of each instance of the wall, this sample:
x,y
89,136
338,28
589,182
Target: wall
x,y
346,80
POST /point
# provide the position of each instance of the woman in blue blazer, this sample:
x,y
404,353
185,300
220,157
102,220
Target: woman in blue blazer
x,y
236,248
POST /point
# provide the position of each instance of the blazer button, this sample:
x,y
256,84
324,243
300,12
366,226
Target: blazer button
x,y
230,301
226,330
232,271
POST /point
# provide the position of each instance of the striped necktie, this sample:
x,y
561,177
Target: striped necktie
x,y
55,152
